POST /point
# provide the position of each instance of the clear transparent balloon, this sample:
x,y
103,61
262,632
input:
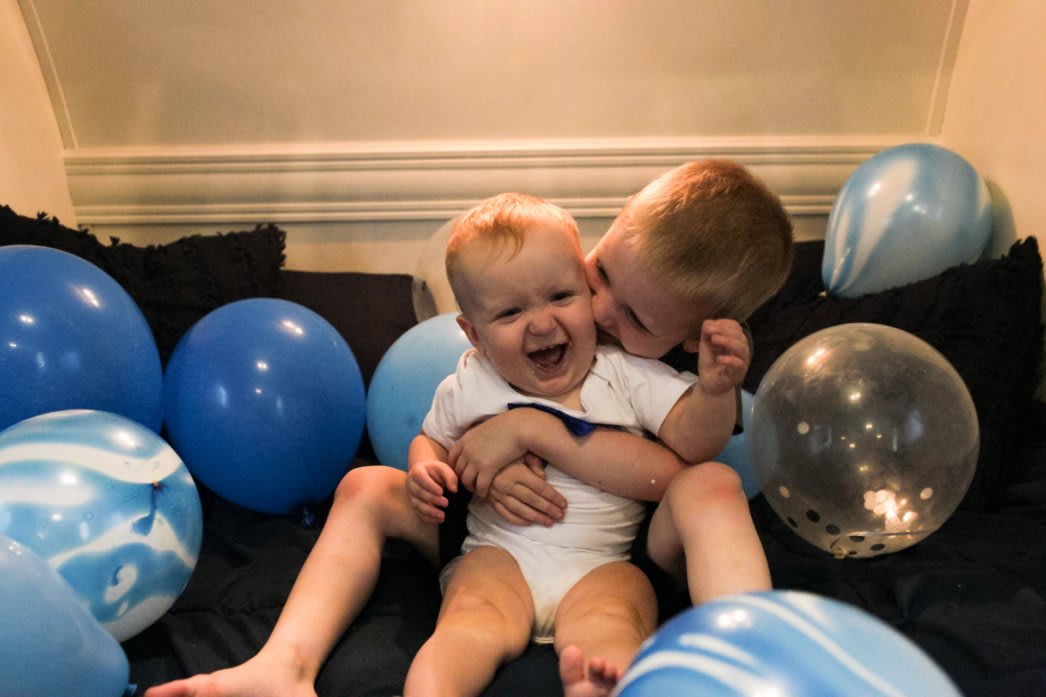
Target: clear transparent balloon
x,y
864,439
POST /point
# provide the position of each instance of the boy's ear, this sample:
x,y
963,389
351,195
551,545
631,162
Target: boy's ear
x,y
470,331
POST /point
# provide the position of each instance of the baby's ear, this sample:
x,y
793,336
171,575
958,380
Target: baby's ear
x,y
470,331
692,345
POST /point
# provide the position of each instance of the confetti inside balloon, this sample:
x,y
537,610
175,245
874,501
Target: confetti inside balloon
x,y
864,439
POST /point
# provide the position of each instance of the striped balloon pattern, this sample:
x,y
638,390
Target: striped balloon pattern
x,y
109,505
905,215
785,644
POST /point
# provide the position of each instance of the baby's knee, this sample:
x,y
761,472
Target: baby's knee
x,y
473,616
371,486
709,482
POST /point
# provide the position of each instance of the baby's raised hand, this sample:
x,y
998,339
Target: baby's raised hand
x,y
426,481
723,356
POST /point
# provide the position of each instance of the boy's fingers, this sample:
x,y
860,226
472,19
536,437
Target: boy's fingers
x,y
508,515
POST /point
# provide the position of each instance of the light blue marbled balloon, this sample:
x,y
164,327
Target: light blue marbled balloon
x,y
904,215
785,644
109,505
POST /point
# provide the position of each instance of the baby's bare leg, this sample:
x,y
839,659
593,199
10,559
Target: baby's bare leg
x,y
370,505
703,528
600,624
485,620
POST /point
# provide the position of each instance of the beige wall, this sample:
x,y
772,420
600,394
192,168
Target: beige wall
x,y
996,112
32,176
360,126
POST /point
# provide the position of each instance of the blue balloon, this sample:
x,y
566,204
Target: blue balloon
x,y
736,452
781,643
405,382
72,338
905,215
50,644
109,505
265,402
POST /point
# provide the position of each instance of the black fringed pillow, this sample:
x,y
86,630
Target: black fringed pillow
x,y
174,284
983,317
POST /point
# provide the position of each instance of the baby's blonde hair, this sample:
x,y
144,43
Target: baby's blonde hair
x,y
504,218
715,233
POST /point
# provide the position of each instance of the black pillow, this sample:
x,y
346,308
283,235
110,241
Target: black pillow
x,y
983,317
174,284
369,310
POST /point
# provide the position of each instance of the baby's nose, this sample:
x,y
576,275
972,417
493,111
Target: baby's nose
x,y
542,322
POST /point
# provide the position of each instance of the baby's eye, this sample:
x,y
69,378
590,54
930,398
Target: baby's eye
x,y
562,295
507,313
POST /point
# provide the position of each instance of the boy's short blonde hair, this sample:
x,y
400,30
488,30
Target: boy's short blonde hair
x,y
504,218
715,233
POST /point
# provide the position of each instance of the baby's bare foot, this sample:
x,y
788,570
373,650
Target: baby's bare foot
x,y
598,680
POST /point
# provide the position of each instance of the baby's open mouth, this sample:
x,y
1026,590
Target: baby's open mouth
x,y
548,358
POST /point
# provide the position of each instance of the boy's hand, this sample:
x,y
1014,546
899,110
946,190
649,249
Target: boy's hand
x,y
485,449
723,356
426,481
521,495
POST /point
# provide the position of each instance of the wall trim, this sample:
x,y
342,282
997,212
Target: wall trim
x,y
426,181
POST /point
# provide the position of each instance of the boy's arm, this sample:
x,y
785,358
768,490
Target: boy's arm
x,y
696,429
699,425
614,461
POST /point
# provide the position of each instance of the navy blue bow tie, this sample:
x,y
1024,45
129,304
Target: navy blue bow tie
x,y
579,427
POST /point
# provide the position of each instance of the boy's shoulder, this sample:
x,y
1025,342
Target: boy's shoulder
x,y
616,359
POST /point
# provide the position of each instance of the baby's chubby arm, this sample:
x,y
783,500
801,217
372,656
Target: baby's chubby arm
x,y
699,425
608,459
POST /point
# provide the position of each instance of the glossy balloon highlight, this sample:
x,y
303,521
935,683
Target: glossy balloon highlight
x,y
265,402
781,643
405,382
864,439
72,338
50,644
109,505
904,215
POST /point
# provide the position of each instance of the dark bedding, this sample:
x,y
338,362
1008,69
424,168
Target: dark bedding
x,y
973,594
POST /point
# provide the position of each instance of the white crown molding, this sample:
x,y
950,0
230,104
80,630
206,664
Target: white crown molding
x,y
425,181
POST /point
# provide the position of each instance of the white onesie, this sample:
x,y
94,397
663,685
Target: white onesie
x,y
620,390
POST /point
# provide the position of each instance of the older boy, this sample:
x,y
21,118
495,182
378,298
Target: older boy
x,y
704,240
